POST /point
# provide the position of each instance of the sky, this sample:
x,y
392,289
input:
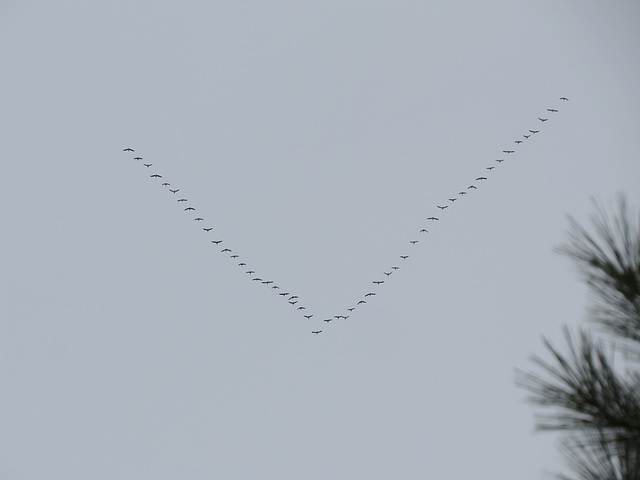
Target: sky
x,y
315,138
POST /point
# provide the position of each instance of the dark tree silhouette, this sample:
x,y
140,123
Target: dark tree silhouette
x,y
595,406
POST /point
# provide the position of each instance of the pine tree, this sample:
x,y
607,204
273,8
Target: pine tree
x,y
596,407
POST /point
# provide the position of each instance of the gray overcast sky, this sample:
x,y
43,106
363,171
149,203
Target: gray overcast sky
x,y
315,138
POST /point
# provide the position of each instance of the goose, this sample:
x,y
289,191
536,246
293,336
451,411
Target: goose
x,y
395,268
250,271
441,207
424,230
257,279
452,200
242,264
165,184
301,308
234,256
518,141
462,193
275,287
500,160
268,282
328,320
351,309
526,136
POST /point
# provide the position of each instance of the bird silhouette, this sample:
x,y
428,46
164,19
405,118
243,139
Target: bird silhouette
x,y
441,207
361,301
433,218
481,178
198,219
147,164
490,168
452,199
165,184
518,141
328,320
250,271
500,160
462,193
208,229
378,282
564,99
155,175
308,316
387,273
534,131
174,191
189,208
413,242
225,250
217,242
370,294
552,110
242,264
424,230
404,257
395,268
508,151
182,200
472,186
257,279
301,308
234,256
526,136
137,158
316,331
543,119
128,150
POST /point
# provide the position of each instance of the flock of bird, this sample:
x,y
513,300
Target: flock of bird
x,y
288,295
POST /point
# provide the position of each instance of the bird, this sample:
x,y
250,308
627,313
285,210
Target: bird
x,y
433,218
268,282
308,316
217,242
452,199
481,178
301,308
413,242
208,229
182,200
250,271
370,294
462,193
361,301
293,303
552,110
316,331
518,141
378,282
128,150
404,257
137,158
155,175
225,250
351,309
198,219
564,99
165,184
500,160
174,191
234,256
189,208
387,273
543,119
242,264
293,296
282,294
275,287
257,279
147,164
508,151
395,268
472,186
441,207
490,168
424,230
526,136
328,320
534,131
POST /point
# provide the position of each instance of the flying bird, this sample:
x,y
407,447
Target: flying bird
x,y
508,151
250,271
155,175
564,99
452,199
441,207
518,141
395,268
174,191
534,131
257,279
225,250
526,136
308,316
490,168
361,301
481,178
543,119
182,200
147,164
350,309
242,264
198,219
234,256
378,282
316,331
427,231
328,320
462,193
165,184
404,257
268,282
370,294
413,242
128,150
137,158
217,242
472,186
208,229
301,308
433,218
189,208
387,273
551,110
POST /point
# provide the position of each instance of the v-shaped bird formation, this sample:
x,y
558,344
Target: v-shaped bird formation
x,y
359,303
